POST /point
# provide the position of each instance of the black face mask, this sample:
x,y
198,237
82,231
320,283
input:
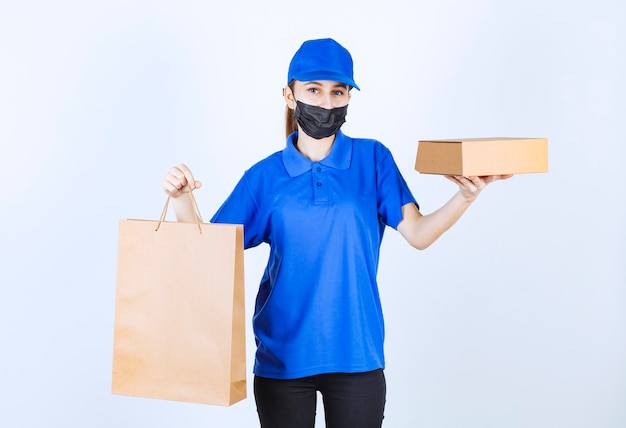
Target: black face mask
x,y
319,122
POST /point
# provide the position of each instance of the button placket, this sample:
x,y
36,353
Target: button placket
x,y
320,193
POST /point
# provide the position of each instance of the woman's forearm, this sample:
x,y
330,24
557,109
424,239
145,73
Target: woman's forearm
x,y
184,208
422,230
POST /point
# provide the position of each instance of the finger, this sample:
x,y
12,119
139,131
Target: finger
x,y
465,180
491,178
461,181
468,184
177,176
478,182
188,176
174,184
170,188
456,179
464,183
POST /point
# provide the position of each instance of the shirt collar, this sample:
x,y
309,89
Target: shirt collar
x,y
338,158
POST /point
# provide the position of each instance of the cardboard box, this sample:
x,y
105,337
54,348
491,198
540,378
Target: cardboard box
x,y
482,156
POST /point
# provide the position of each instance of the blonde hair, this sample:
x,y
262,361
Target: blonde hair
x,y
291,124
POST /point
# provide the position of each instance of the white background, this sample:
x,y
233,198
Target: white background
x,y
514,318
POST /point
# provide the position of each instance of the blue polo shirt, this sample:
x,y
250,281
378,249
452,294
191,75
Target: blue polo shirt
x,y
318,308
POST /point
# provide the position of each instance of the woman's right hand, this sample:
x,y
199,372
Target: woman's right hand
x,y
179,180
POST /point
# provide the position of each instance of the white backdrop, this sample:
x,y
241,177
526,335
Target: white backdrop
x,y
515,318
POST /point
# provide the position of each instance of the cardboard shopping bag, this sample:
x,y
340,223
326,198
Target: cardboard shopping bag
x,y
179,311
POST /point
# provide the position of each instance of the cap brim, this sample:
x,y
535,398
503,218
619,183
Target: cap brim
x,y
326,75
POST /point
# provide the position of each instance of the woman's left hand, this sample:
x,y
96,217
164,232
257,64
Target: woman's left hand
x,y
470,187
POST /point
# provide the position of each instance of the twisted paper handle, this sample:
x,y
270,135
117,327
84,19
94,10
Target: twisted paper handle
x,y
196,212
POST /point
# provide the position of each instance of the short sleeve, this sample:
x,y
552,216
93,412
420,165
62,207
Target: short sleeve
x,y
393,191
241,208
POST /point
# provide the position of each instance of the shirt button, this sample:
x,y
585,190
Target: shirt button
x,y
319,184
318,169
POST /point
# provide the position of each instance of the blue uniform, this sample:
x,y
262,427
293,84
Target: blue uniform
x,y
318,308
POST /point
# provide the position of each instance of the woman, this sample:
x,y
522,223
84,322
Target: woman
x,y
322,205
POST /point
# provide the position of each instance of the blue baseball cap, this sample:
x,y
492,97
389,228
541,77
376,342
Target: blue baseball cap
x,y
322,59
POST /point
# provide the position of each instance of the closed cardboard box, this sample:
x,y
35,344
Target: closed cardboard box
x,y
482,156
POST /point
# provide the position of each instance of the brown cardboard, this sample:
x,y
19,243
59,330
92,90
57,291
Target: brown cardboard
x,y
482,156
180,312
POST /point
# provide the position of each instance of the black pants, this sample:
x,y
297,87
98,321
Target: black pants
x,y
351,400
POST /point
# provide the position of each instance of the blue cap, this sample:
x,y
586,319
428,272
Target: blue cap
x,y
322,59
